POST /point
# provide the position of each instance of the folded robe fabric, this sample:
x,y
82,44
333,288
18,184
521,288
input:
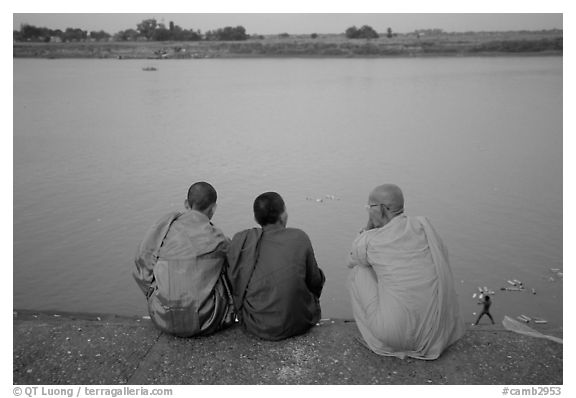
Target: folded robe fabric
x,y
180,269
402,290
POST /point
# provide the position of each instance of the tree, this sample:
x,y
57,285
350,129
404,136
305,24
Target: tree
x,y
161,33
99,35
147,27
352,32
227,33
365,32
126,35
75,34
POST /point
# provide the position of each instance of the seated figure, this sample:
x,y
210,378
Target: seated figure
x,y
276,282
401,284
181,268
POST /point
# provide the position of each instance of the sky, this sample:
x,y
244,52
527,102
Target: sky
x,y
298,23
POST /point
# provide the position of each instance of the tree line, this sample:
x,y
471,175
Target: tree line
x,y
152,30
147,30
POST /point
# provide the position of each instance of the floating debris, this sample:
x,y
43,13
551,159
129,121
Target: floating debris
x,y
539,320
56,316
474,295
526,317
522,319
145,317
533,291
512,283
512,289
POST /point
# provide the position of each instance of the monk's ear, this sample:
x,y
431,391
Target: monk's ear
x,y
186,204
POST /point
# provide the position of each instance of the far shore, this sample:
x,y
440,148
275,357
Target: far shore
x,y
303,46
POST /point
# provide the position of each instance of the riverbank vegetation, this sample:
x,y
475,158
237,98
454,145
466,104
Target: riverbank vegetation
x,y
152,40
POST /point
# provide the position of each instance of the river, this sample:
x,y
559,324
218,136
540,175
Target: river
x,y
103,148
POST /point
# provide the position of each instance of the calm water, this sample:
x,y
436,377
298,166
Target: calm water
x,y
102,149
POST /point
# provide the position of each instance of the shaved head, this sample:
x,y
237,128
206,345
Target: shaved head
x,y
389,195
201,195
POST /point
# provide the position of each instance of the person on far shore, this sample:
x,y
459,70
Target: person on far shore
x,y
401,284
181,265
276,282
485,309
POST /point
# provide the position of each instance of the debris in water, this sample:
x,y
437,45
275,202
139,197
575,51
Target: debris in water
x,y
512,283
533,291
474,295
522,319
527,317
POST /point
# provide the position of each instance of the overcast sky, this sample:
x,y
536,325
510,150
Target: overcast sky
x,y
298,23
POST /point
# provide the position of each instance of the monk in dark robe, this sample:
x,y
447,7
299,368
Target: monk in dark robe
x,y
276,282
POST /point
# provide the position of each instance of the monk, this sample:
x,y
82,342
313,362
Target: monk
x,y
181,268
401,284
276,281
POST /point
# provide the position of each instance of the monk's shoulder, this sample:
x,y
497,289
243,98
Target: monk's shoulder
x,y
240,235
297,234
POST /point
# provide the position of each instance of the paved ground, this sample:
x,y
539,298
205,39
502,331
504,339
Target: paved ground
x,y
63,349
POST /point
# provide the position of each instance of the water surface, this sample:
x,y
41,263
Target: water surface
x,y
102,149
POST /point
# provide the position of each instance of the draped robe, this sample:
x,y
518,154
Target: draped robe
x,y
402,290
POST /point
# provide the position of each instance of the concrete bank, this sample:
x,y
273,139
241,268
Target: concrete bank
x,y
60,348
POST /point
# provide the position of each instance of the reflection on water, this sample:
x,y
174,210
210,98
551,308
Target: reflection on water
x,y
101,149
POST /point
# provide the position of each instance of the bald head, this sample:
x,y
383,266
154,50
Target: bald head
x,y
389,195
201,196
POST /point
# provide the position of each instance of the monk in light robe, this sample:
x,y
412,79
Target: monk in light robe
x,y
401,284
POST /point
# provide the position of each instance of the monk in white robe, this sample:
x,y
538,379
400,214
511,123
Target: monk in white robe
x,y
401,284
